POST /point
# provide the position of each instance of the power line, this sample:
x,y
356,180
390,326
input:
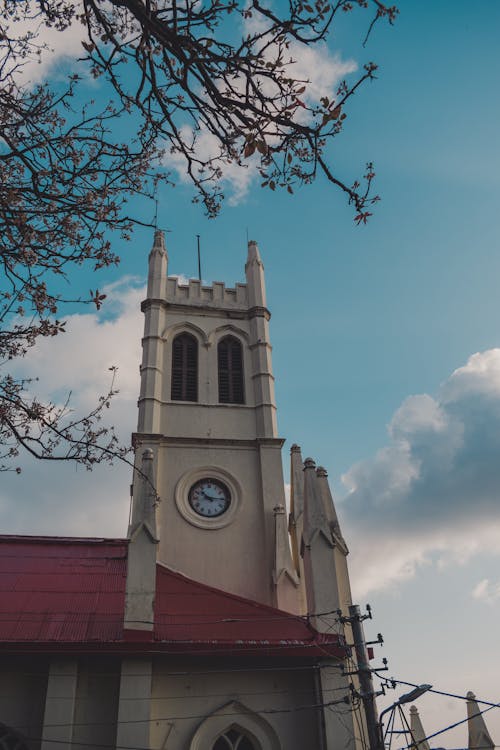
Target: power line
x,y
259,617
38,616
208,648
489,705
191,673
189,696
75,741
442,692
452,726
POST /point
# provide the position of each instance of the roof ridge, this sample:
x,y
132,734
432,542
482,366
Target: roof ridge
x,y
34,538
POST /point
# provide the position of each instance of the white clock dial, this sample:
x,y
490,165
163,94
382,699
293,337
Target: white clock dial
x,y
209,498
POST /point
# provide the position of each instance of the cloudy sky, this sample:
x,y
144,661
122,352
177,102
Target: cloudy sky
x,y
398,320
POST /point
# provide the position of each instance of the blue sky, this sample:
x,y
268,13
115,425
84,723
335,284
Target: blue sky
x,y
363,319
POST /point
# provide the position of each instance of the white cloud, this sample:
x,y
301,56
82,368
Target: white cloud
x,y
236,178
79,360
321,72
60,498
431,496
487,592
57,48
314,64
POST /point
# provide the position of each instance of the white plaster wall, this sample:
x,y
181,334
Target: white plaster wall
x,y
181,703
96,704
240,556
194,419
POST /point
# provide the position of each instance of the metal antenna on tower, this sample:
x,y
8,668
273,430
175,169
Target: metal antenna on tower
x,y
199,259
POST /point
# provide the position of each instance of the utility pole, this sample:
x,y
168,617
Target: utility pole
x,y
364,671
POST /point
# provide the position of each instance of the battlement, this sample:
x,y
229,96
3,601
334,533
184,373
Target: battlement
x,y
216,295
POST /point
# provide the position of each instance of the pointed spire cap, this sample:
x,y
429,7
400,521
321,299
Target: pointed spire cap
x,y
418,734
159,245
329,505
284,576
315,520
145,498
253,253
479,737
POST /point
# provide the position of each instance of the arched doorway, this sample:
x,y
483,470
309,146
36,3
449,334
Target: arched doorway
x,y
234,726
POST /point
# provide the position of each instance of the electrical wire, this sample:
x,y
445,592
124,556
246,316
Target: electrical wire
x,y
190,696
359,722
452,726
442,692
75,741
490,705
16,616
208,649
190,673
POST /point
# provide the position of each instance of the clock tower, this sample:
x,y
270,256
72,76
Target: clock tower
x,y
196,638
207,414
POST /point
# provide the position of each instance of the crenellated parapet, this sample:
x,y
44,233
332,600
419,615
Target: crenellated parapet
x,y
217,295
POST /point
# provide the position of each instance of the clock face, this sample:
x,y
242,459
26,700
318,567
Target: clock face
x,y
209,498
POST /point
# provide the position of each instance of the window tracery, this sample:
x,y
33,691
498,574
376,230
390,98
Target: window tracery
x,y
233,740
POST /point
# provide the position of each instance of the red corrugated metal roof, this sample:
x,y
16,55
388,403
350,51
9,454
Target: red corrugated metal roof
x,y
62,590
193,616
71,592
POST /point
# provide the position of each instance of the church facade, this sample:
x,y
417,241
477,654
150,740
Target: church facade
x,y
215,624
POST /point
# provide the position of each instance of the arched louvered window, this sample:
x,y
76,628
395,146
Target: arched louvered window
x,y
230,361
233,740
184,368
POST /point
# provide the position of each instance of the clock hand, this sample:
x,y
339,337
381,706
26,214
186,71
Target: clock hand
x,y
209,497
212,497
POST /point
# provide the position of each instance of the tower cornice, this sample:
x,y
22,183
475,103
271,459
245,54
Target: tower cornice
x,y
257,311
140,438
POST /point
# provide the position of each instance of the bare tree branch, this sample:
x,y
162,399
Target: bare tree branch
x,y
178,70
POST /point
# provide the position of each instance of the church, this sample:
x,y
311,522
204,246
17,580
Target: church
x,y
216,623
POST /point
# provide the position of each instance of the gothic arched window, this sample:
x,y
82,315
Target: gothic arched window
x,y
233,740
184,368
230,364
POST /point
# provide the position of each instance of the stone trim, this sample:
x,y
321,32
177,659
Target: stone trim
x,y
235,714
209,309
139,438
194,475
